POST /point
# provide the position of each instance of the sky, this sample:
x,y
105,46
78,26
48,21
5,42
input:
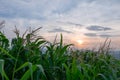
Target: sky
x,y
85,23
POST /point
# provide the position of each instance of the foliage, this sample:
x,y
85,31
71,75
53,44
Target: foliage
x,y
33,58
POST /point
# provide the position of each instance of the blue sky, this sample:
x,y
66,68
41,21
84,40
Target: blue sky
x,y
88,20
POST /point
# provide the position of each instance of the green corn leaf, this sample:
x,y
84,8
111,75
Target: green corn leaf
x,y
28,73
42,70
102,76
3,74
65,48
24,65
40,42
3,50
68,73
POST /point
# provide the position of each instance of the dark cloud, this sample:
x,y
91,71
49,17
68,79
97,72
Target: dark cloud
x,y
100,35
105,35
90,34
108,35
98,28
76,24
59,30
71,23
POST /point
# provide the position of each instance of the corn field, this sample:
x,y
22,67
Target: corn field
x,y
31,57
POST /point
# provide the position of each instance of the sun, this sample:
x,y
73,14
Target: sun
x,y
80,41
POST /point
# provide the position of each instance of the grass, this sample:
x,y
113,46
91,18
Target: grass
x,y
23,59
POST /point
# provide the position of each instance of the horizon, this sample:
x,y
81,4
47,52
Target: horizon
x,y
85,23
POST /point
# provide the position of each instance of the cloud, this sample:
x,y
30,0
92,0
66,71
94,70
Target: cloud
x,y
79,10
94,11
91,34
71,12
98,28
100,35
38,9
59,30
63,10
71,23
108,35
66,6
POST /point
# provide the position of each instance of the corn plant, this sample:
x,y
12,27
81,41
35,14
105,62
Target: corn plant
x,y
31,57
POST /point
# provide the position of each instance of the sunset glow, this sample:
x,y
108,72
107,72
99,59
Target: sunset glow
x,y
80,41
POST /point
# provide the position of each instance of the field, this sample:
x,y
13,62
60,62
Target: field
x,y
31,57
